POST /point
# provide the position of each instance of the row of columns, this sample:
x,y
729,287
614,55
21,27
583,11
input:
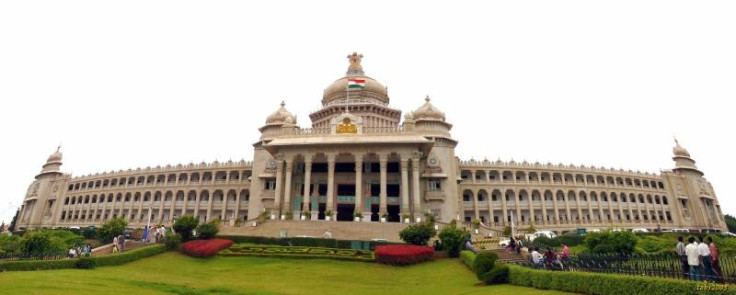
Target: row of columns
x,y
331,161
632,211
562,180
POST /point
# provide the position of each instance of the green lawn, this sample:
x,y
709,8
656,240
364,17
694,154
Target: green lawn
x,y
173,273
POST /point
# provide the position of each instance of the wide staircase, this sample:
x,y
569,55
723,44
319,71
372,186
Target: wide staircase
x,y
342,230
508,257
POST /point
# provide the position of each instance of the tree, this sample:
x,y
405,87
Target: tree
x,y
453,238
2,227
35,243
12,223
730,223
185,225
418,234
110,229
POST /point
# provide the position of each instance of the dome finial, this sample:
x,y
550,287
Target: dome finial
x,y
427,99
355,67
283,104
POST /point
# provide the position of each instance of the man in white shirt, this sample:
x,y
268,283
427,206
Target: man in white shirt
x,y
693,259
706,268
536,256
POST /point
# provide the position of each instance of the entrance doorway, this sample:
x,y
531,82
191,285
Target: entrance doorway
x,y
393,213
345,212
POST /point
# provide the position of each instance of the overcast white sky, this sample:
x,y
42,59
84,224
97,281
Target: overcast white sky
x,y
129,84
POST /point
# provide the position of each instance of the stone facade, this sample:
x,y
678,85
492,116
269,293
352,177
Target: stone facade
x,y
359,158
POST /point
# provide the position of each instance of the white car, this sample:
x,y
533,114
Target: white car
x,y
504,242
594,230
640,230
379,240
547,233
303,236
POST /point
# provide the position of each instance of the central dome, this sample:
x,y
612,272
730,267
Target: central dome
x,y
338,91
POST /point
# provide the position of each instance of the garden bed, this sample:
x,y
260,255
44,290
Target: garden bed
x,y
298,252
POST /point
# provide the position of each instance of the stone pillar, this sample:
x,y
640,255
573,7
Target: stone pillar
x,y
567,208
211,200
476,210
197,200
556,207
287,187
223,213
161,208
330,183
518,206
544,208
404,186
307,182
359,183
415,187
277,192
383,161
504,209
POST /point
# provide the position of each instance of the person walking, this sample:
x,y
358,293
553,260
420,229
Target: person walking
x,y
693,259
115,245
705,261
714,260
121,243
680,248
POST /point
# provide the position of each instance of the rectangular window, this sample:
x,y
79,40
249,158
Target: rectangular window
x,y
434,185
270,185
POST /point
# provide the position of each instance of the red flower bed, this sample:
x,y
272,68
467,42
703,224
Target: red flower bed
x,y
205,248
403,254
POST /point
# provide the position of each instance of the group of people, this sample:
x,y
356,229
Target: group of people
x,y
118,244
80,251
550,259
155,235
699,259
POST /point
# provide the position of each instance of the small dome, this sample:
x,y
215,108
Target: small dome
x,y
281,116
428,111
680,151
55,157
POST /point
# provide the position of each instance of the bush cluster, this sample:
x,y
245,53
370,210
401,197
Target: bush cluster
x,y
111,229
403,254
172,242
205,248
185,225
85,263
611,242
484,262
106,260
453,239
601,284
208,230
418,234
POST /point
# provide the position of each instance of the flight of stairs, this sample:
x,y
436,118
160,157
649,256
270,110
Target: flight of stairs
x,y
508,257
342,230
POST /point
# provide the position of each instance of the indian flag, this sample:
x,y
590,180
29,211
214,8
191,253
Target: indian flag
x,y
356,83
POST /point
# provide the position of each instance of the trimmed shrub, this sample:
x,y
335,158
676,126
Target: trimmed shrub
x,y
403,254
185,225
205,248
85,263
452,239
172,242
602,284
468,258
483,263
207,230
568,240
418,234
499,274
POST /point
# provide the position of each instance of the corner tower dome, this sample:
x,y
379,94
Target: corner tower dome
x,y
428,112
281,116
338,91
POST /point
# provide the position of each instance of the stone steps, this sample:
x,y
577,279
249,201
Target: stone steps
x,y
343,230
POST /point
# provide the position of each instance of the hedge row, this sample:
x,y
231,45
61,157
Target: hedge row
x,y
106,260
468,258
605,284
298,252
305,242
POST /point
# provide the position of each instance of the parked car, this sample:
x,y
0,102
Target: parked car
x,y
547,233
640,230
303,236
128,233
594,230
504,242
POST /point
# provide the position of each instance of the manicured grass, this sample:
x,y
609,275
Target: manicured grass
x,y
178,274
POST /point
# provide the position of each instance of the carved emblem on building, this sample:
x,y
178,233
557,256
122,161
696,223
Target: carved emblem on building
x,y
347,127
